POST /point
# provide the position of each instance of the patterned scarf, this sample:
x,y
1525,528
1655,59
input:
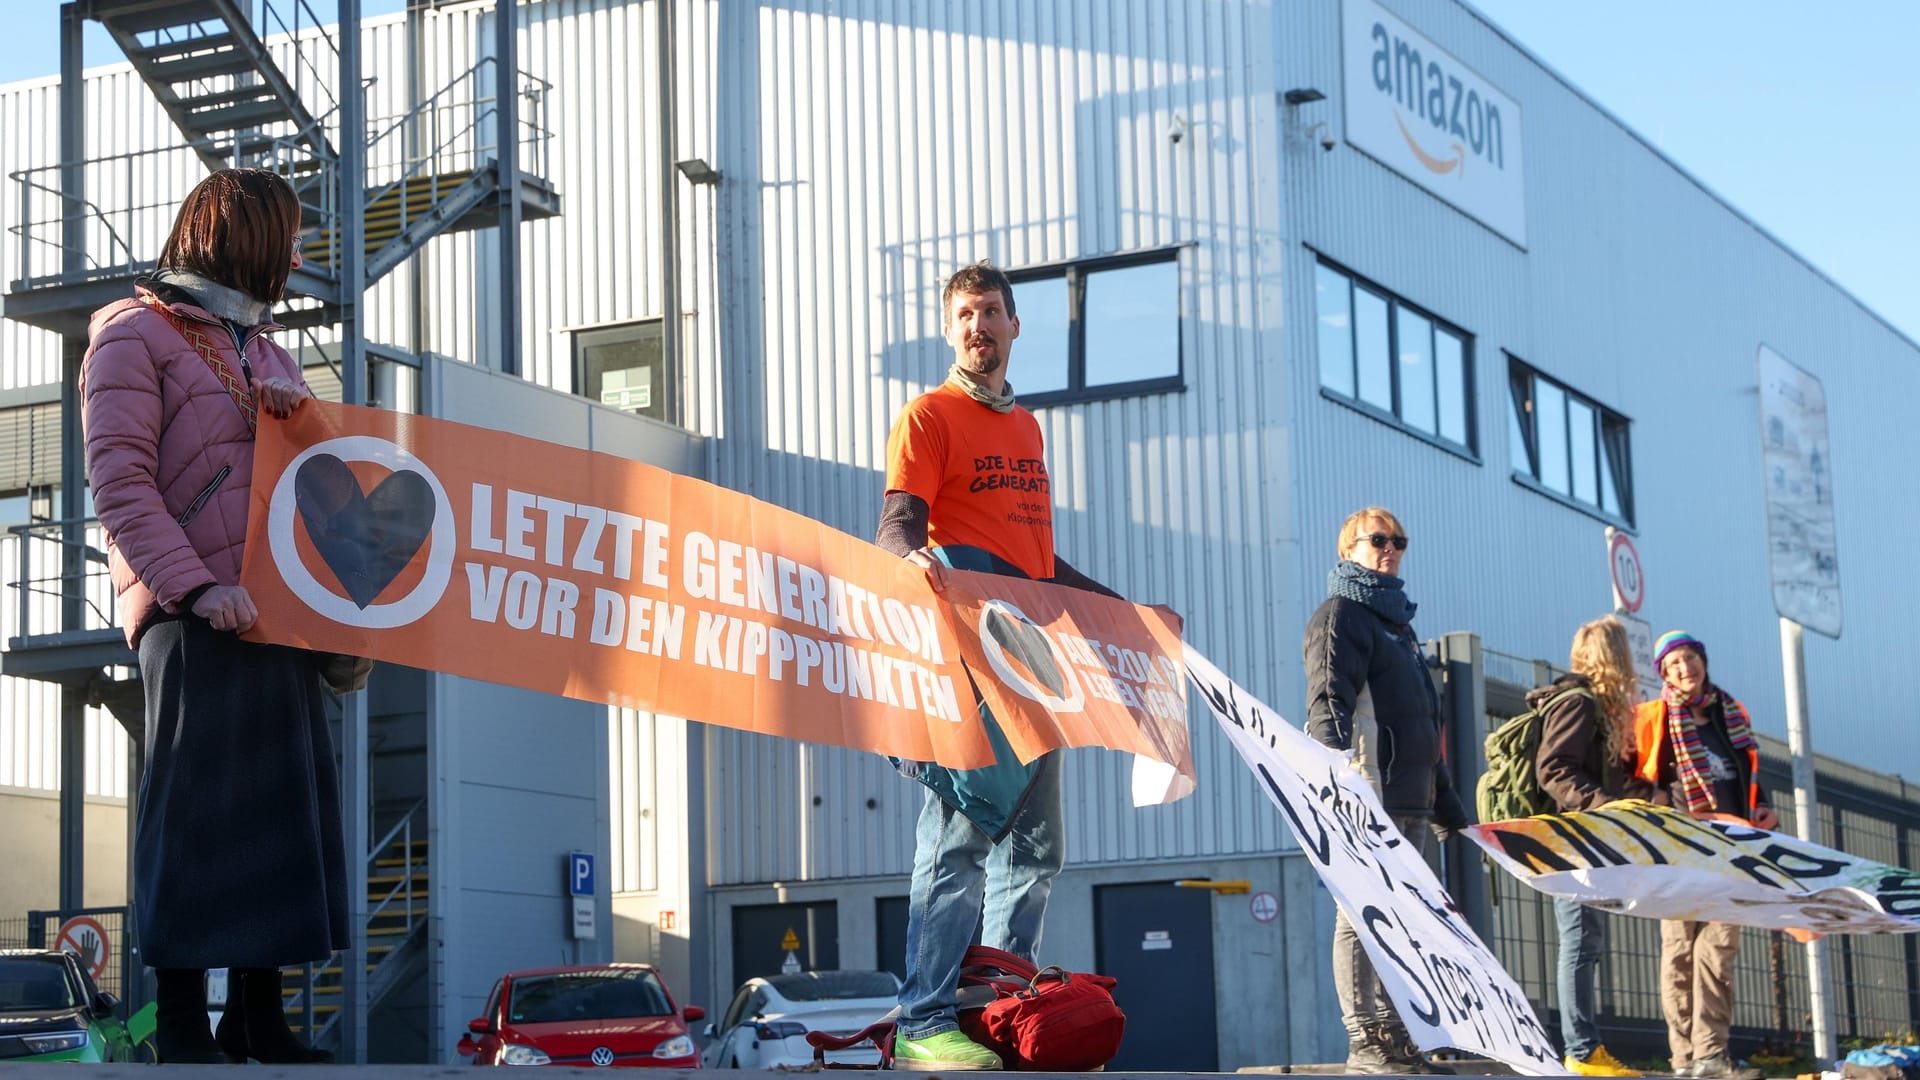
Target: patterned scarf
x,y
1689,754
1385,594
1001,402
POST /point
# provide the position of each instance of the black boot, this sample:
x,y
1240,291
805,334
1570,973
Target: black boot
x,y
182,1033
255,1024
1368,1053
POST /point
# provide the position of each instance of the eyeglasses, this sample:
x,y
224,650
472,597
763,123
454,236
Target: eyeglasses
x,y
1381,540
298,241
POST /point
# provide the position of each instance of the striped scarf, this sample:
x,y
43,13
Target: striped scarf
x,y
1689,754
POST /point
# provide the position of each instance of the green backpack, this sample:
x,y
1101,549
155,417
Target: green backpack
x,y
1510,788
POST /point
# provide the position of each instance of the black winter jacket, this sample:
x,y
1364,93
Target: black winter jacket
x,y
1349,649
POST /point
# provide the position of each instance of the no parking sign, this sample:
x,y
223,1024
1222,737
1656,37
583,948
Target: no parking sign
x,y
86,939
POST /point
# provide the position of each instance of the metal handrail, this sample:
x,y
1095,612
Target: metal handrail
x,y
267,10
404,830
125,232
71,578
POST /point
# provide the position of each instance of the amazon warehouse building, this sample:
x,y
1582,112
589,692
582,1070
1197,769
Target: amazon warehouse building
x,y
1274,261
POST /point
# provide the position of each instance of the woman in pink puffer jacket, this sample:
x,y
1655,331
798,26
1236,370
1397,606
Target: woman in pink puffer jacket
x,y
238,858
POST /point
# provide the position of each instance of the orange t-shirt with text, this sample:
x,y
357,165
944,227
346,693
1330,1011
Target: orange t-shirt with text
x,y
981,473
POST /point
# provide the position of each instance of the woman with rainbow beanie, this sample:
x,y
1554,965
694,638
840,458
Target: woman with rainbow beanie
x,y
1696,747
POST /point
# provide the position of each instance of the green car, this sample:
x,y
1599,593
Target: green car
x,y
50,1010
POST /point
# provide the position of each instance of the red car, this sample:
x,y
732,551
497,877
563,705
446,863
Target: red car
x,y
598,1014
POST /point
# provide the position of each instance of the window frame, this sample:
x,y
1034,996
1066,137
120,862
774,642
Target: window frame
x,y
1392,417
581,338
1612,442
1075,271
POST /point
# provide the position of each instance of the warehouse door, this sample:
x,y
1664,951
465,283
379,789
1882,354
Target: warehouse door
x,y
1157,939
769,939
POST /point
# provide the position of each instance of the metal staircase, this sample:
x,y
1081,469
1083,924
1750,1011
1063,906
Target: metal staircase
x,y
396,934
252,83
432,170
205,63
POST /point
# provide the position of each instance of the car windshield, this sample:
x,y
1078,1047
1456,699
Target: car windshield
x,y
599,995
35,982
835,985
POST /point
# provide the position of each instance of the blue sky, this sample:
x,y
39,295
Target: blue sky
x,y
1800,115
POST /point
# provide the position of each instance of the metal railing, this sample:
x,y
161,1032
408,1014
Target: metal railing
x,y
457,128
264,17
396,903
130,199
53,568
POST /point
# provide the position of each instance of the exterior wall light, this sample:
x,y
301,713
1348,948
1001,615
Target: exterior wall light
x,y
697,171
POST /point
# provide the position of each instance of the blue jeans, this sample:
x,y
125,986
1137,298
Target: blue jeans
x,y
963,882
1583,937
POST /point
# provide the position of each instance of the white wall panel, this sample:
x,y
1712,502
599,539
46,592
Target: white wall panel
x,y
871,149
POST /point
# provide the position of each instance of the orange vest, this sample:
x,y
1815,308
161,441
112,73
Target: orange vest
x,y
1650,734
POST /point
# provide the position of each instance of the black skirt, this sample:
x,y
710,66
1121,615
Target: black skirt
x,y
238,859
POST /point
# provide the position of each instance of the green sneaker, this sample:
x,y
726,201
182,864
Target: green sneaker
x,y
949,1051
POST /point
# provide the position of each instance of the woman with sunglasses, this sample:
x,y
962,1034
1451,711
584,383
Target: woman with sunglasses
x,y
1368,691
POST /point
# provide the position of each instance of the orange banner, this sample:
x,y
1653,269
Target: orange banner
x,y
1060,667
491,556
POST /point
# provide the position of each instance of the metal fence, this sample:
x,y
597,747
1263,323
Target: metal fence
x,y
104,940
1875,978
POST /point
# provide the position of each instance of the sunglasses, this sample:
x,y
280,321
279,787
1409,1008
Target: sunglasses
x,y
1381,540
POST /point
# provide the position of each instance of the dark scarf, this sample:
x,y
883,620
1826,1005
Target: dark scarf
x,y
1689,754
1383,594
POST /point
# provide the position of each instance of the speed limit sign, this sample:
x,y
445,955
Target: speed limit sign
x,y
1623,562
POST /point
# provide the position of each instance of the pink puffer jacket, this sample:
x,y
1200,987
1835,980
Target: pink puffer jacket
x,y
169,453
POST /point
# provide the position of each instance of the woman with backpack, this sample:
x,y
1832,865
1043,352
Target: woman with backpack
x,y
1587,760
1369,691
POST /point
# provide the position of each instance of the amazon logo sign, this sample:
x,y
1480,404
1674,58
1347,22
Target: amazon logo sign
x,y
1418,110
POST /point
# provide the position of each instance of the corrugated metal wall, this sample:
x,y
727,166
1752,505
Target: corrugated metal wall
x,y
870,149
1644,292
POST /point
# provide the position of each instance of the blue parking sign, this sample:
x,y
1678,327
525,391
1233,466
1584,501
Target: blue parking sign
x,y
579,873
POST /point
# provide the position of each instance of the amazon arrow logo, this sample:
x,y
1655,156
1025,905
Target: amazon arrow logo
x,y
1433,164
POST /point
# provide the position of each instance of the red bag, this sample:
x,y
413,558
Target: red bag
x,y
1041,1020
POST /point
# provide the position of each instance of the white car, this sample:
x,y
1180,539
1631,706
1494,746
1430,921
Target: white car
x,y
766,1025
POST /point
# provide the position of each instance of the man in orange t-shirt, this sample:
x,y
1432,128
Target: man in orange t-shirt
x,y
967,487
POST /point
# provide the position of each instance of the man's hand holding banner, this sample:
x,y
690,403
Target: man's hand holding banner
x,y
1636,858
492,556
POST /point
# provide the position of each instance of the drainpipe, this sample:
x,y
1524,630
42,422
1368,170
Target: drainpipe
x,y
669,214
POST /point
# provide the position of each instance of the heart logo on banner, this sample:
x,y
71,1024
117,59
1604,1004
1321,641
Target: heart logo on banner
x,y
365,538
1023,642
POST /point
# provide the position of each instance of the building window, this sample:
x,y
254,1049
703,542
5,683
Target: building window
x,y
622,367
1569,445
1393,361
1098,328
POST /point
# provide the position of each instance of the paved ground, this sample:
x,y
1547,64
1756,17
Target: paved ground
x,y
445,1072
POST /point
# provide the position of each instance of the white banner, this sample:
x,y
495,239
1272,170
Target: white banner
x,y
1636,858
1446,983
